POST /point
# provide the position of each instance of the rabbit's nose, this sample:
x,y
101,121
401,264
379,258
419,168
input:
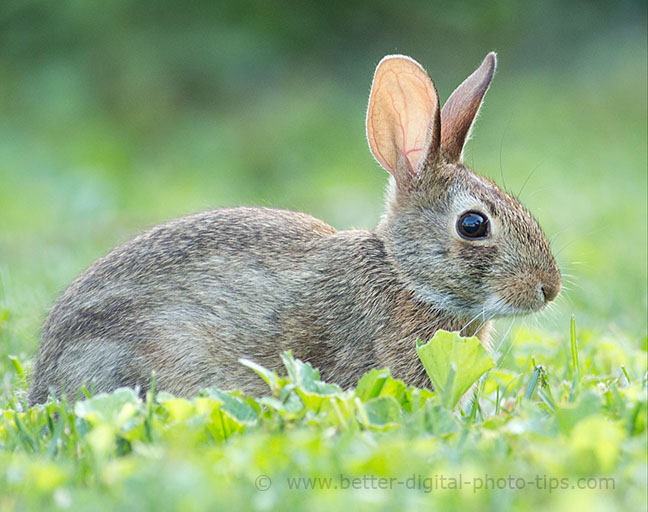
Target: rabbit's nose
x,y
550,290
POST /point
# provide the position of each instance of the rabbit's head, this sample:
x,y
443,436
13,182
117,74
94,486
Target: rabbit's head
x,y
458,241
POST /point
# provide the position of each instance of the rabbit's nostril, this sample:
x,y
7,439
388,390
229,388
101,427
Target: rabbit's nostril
x,y
549,291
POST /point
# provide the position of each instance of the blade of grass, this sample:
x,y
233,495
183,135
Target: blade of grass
x,y
574,354
623,369
52,449
24,436
533,382
497,401
17,366
150,403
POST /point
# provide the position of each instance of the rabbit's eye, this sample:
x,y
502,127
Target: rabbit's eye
x,y
472,225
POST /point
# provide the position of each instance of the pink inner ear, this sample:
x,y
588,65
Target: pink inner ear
x,y
418,113
414,157
401,108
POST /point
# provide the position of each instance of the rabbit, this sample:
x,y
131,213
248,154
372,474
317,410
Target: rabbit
x,y
188,298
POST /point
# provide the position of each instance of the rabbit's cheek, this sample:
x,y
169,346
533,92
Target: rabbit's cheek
x,y
475,262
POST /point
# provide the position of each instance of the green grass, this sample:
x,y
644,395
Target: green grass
x,y
540,429
561,402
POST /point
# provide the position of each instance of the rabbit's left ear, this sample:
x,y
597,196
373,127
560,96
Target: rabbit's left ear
x,y
403,120
460,110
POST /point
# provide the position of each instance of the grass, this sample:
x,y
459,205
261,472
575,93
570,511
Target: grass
x,y
565,399
539,431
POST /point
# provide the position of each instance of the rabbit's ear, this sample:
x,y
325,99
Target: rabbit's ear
x,y
403,119
460,110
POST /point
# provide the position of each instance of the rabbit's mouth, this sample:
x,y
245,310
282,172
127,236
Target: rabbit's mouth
x,y
497,307
523,296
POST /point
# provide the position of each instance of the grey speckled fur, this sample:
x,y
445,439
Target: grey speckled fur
x,y
188,298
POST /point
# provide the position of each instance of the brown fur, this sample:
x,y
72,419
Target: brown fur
x,y
188,298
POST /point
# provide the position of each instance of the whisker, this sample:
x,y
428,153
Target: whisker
x,y
486,320
513,341
508,123
506,333
551,239
559,251
471,321
529,177
536,192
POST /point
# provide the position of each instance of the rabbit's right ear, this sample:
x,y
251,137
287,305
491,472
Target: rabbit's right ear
x,y
403,119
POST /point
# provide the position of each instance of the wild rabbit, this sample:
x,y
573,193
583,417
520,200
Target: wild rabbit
x,y
188,298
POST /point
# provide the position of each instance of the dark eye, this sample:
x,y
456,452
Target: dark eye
x,y
472,225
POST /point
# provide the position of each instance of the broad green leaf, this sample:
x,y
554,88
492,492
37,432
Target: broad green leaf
x,y
291,400
115,408
371,383
179,409
396,388
439,420
383,410
453,364
292,405
267,375
237,408
416,398
272,402
380,383
306,377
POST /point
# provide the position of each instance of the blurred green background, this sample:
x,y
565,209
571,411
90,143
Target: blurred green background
x,y
120,115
